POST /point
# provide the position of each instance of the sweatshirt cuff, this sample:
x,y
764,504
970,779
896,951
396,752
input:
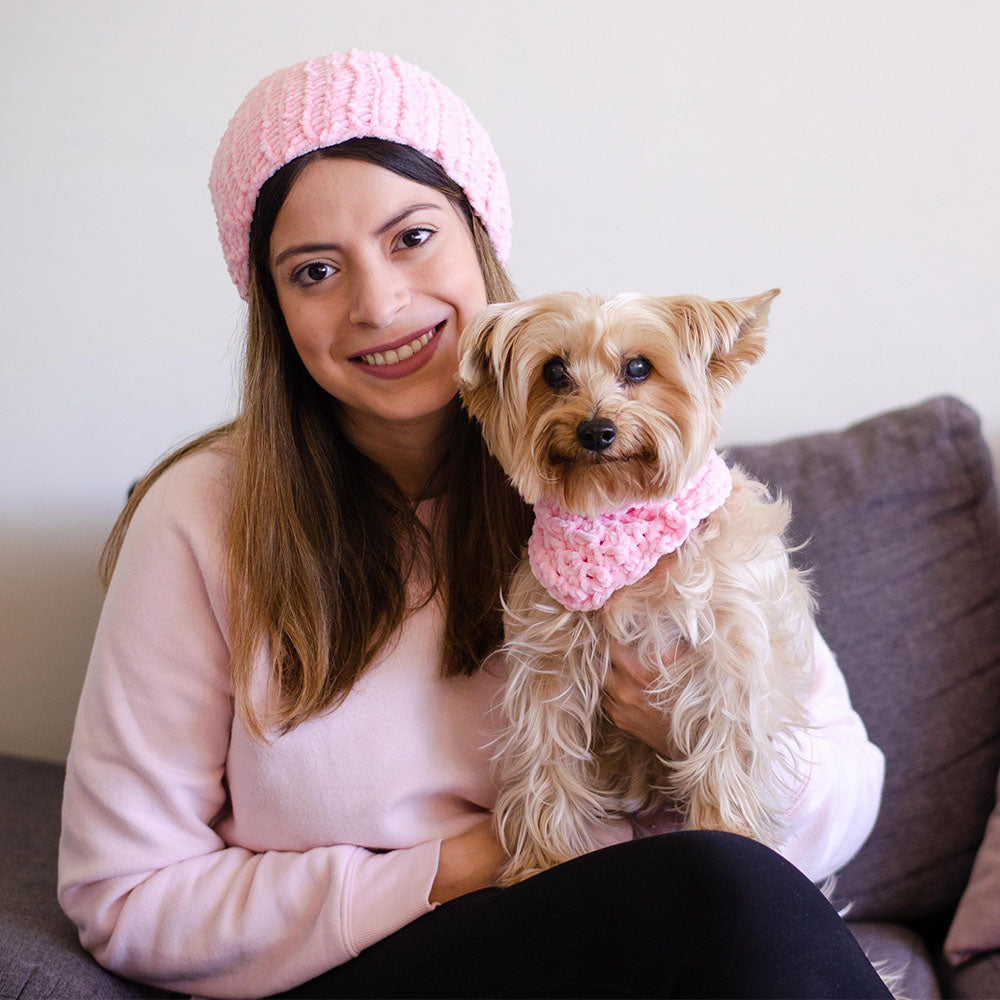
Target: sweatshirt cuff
x,y
386,892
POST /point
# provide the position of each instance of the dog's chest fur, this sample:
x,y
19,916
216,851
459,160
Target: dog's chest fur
x,y
678,597
742,615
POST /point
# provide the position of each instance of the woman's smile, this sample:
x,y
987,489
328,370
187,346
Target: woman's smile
x,y
401,357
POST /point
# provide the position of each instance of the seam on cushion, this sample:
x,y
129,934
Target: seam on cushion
x,y
28,982
24,984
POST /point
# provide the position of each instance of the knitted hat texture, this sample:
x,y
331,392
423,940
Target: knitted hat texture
x,y
350,95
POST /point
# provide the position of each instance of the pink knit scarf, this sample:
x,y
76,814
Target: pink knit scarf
x,y
581,561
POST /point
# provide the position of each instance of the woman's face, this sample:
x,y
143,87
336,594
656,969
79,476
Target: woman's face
x,y
376,276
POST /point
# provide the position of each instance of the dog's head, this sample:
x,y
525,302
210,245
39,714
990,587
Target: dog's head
x,y
593,403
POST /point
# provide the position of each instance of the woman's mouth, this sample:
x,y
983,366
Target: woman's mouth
x,y
391,357
404,352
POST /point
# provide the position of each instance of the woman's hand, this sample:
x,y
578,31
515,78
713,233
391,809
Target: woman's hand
x,y
467,862
626,699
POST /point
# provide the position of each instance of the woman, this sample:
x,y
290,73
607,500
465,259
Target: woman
x,y
280,768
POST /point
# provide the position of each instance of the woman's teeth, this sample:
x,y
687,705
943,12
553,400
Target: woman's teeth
x,y
401,353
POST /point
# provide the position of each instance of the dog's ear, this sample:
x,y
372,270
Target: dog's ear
x,y
485,360
486,346
739,326
475,347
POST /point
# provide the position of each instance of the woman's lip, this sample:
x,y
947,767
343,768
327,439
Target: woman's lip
x,y
413,363
396,344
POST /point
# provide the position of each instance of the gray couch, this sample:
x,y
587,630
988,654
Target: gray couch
x,y
900,516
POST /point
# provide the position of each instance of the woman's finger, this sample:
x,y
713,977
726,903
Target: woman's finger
x,y
625,661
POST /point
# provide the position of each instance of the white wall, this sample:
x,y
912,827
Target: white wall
x,y
847,151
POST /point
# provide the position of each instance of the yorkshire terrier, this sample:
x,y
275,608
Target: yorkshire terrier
x,y
605,414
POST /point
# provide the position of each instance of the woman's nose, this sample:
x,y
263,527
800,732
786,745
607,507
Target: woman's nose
x,y
378,295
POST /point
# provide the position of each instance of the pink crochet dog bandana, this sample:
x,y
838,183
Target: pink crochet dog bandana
x,y
581,561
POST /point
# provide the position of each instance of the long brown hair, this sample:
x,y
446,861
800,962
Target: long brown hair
x,y
321,540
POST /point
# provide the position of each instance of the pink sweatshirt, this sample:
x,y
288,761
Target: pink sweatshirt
x,y
197,859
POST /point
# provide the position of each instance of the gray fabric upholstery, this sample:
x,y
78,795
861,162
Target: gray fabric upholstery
x,y
900,514
40,955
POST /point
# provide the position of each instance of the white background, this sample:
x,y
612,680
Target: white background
x,y
848,151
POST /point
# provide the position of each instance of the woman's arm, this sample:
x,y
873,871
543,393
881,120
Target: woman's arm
x,y
839,801
155,891
468,862
837,804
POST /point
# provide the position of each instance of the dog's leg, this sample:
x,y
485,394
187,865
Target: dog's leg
x,y
733,694
735,712
550,807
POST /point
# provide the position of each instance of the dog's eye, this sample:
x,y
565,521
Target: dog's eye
x,y
637,369
556,374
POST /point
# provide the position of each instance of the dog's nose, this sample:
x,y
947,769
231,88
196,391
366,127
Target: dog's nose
x,y
596,434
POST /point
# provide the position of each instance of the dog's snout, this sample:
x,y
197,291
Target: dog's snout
x,y
596,434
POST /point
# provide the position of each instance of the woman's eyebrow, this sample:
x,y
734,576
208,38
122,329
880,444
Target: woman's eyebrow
x,y
381,231
399,216
304,248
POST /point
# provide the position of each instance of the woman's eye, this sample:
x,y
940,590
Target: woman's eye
x,y
637,369
556,375
312,273
415,237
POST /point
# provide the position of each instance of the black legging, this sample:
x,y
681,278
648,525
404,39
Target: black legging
x,y
695,914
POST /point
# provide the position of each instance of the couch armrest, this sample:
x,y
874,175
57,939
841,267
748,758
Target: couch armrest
x,y
40,955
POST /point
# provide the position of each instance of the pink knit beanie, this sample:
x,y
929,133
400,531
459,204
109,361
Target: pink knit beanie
x,y
349,95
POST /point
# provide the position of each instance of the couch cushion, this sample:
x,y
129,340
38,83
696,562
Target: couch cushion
x,y
976,927
900,516
900,956
40,955
976,979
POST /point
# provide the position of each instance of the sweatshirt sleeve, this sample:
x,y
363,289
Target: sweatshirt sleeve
x,y
156,893
838,803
